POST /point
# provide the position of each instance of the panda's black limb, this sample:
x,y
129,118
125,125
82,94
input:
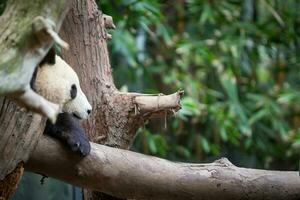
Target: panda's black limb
x,y
68,129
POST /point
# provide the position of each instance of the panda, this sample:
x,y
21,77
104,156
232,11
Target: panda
x,y
56,81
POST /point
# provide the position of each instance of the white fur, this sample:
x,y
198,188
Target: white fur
x,y
54,83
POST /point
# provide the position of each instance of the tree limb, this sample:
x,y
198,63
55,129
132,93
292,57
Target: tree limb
x,y
28,30
158,105
132,175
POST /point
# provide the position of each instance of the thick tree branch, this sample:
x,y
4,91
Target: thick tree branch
x,y
28,29
132,175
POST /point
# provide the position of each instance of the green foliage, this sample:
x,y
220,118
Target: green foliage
x,y
2,6
238,62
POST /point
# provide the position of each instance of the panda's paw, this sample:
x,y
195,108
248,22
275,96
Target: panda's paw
x,y
79,144
69,130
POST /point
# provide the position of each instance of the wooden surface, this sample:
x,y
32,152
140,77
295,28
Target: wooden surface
x,y
127,174
114,120
24,41
19,134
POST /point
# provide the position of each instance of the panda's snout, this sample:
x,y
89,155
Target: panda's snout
x,y
89,111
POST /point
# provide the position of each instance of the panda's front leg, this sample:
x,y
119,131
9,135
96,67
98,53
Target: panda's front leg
x,y
68,129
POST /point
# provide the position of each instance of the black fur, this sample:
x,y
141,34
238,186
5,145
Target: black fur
x,y
68,129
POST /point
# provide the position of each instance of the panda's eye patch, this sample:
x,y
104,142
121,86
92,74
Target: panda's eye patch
x,y
73,91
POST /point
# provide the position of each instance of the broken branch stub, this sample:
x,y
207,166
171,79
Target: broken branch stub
x,y
158,105
108,22
45,28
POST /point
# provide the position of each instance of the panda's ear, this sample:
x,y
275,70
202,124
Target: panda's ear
x,y
49,58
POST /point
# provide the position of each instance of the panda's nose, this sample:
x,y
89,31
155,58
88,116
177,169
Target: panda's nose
x,y
89,111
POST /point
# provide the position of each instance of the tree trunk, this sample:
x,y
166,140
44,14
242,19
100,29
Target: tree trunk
x,y
24,40
115,119
116,115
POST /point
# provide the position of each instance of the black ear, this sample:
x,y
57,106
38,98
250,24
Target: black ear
x,y
73,91
49,58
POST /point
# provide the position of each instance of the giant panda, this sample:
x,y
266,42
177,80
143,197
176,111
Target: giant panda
x,y
56,81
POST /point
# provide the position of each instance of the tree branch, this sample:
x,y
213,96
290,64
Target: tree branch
x,y
158,105
132,175
28,30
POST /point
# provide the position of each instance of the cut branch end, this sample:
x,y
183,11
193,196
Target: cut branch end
x,y
44,25
108,22
158,105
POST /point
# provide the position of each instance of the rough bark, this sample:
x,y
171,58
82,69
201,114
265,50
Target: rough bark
x,y
9,185
116,116
114,122
27,30
21,49
127,174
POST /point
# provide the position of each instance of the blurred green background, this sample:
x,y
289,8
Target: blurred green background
x,y
238,62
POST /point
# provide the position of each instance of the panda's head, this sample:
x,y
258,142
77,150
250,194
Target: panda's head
x,y
58,82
